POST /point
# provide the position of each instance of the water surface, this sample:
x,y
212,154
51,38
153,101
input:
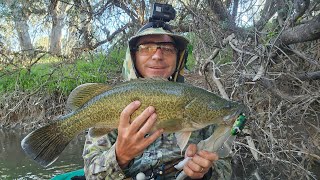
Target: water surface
x,y
14,164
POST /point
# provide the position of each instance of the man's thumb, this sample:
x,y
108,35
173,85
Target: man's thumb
x,y
191,150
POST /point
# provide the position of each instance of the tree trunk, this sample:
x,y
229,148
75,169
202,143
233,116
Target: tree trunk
x,y
20,17
22,28
57,10
85,24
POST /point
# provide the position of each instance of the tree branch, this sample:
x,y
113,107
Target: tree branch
x,y
221,12
302,33
268,11
124,7
110,37
270,85
235,9
300,7
281,11
304,57
101,10
309,76
228,3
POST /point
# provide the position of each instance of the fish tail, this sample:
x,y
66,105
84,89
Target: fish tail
x,y
45,144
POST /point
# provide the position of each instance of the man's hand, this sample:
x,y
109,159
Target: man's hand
x,y
131,140
199,163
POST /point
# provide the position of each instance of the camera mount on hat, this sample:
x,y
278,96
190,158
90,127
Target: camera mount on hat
x,y
161,13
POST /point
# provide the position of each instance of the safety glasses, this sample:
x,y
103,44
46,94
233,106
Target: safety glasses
x,y
147,49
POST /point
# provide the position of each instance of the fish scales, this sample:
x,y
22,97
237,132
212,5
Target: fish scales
x,y
180,108
106,107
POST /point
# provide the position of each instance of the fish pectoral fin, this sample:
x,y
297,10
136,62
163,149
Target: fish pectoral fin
x,y
83,93
182,138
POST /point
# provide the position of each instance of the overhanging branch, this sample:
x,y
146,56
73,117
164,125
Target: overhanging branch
x,y
110,37
268,11
309,76
302,33
218,8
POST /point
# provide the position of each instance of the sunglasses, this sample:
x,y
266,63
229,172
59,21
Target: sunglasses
x,y
167,48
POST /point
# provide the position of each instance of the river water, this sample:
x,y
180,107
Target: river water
x,y
14,164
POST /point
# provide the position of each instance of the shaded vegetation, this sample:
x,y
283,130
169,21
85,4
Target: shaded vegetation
x,y
56,74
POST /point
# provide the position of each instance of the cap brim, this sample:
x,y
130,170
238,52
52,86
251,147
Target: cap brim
x,y
180,41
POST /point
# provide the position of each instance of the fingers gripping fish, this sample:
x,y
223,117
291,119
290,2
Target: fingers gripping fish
x,y
218,142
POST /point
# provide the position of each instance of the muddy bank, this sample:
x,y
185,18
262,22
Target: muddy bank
x,y
30,110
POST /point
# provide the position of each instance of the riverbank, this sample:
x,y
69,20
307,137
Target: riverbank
x,y
26,111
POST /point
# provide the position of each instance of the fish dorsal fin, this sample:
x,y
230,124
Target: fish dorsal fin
x,y
83,93
182,138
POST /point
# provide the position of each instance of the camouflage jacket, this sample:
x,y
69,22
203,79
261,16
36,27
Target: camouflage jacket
x,y
100,159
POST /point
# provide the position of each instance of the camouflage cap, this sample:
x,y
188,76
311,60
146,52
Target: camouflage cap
x,y
180,41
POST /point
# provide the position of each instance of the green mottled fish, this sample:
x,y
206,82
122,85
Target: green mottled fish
x,y
180,108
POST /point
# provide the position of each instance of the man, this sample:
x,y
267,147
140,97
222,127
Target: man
x,y
133,151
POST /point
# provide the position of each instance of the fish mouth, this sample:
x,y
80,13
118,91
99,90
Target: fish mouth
x,y
232,117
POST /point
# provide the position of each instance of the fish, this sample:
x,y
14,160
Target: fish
x,y
181,108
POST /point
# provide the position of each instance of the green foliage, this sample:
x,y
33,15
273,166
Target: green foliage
x,y
271,35
51,74
225,56
190,65
191,61
271,31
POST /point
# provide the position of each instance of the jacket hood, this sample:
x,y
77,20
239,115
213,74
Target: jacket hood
x,y
129,71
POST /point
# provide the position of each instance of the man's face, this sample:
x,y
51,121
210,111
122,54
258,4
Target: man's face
x,y
159,62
